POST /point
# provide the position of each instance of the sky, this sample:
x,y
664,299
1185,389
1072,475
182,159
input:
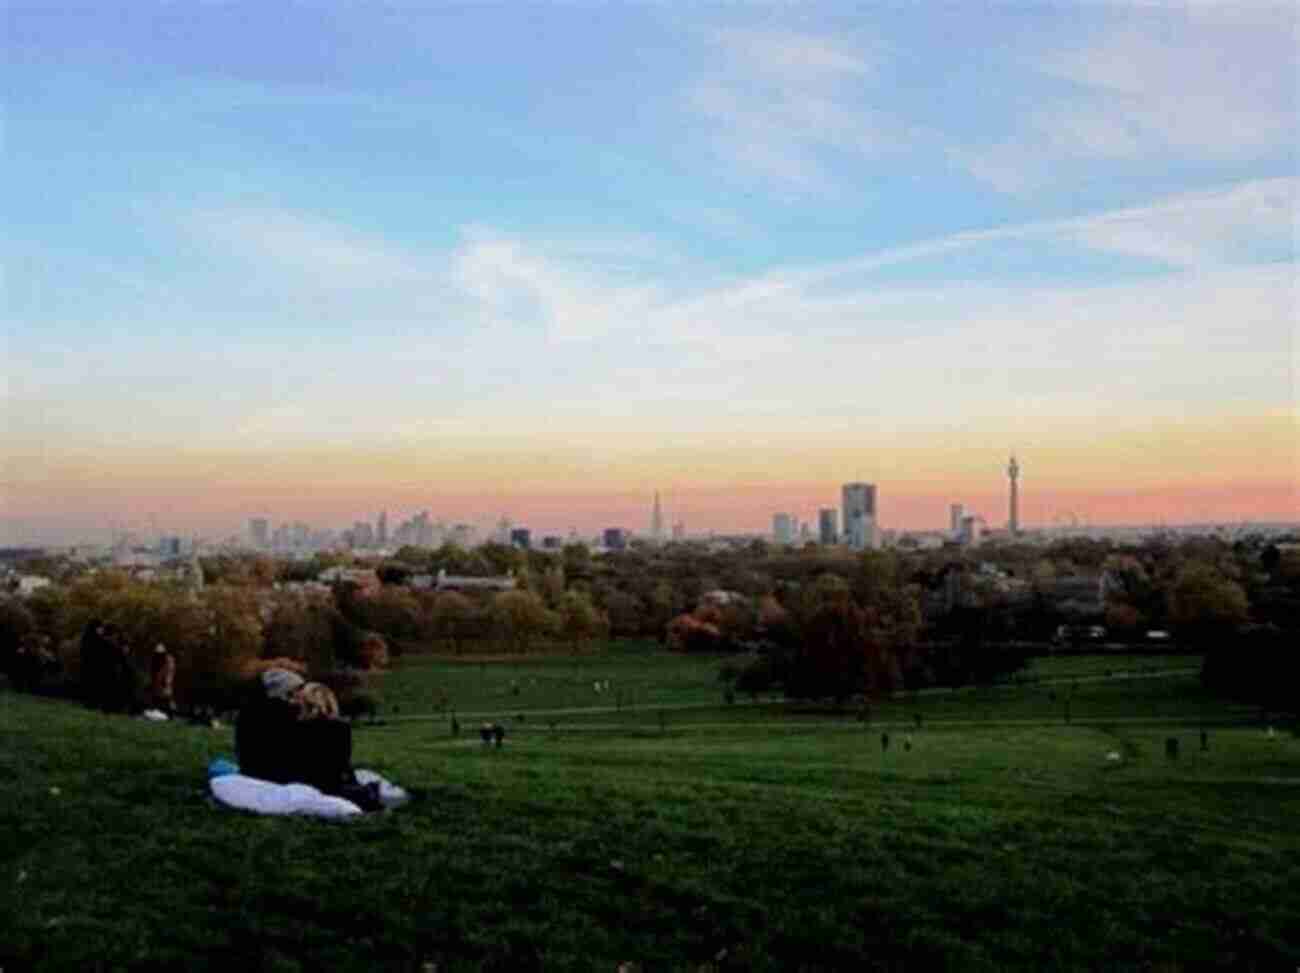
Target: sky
x,y
316,260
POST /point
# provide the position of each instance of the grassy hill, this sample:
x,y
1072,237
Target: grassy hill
x,y
666,829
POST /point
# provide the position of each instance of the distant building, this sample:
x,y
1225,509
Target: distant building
x,y
28,583
783,530
552,542
169,547
458,582
615,538
956,512
259,530
1013,504
521,537
859,506
679,531
828,526
364,578
657,521
381,530
972,530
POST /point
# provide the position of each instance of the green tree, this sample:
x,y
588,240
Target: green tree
x,y
1204,605
579,619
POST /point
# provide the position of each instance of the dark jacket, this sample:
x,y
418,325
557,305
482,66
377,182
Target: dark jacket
x,y
273,744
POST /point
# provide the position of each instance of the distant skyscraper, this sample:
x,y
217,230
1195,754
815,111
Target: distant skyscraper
x,y
679,531
615,538
1013,474
859,505
828,526
381,532
955,514
657,521
783,528
259,529
521,537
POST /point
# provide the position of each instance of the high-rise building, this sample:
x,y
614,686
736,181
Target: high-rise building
x,y
828,526
657,521
956,512
259,529
521,537
423,529
783,529
679,531
859,506
381,530
1013,514
615,538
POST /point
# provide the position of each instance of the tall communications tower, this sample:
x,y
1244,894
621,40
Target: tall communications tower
x,y
1013,474
657,521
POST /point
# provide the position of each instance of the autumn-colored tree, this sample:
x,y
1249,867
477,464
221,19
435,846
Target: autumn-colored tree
x,y
842,653
451,618
691,633
520,618
302,627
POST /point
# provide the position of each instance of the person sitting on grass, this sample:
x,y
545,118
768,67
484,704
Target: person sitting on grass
x,y
290,732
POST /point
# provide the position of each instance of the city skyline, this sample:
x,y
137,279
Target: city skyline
x,y
316,262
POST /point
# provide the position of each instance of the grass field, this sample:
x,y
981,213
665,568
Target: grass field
x,y
672,831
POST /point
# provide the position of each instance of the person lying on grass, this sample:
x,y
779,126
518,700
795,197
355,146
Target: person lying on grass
x,y
289,732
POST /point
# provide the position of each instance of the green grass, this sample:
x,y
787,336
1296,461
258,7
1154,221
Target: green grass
x,y
773,838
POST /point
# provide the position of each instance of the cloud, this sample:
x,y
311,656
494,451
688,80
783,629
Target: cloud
x,y
1237,224
778,103
509,329
1214,85
337,254
793,56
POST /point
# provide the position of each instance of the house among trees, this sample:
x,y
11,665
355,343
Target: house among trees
x,y
364,578
460,582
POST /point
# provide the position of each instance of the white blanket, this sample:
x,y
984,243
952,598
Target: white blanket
x,y
264,797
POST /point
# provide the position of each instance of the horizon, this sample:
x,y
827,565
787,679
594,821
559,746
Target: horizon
x,y
314,263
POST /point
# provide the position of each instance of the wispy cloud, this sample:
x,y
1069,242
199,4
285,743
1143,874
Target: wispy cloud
x,y
778,101
507,326
1208,85
283,240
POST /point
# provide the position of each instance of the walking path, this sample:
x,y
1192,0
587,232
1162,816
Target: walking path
x,y
902,695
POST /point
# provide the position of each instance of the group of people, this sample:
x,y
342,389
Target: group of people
x,y
289,732
109,677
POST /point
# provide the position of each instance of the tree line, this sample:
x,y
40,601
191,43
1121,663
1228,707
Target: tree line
x,y
807,621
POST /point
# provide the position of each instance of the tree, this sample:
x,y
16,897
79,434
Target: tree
x,y
1204,605
626,616
577,559
302,628
450,618
520,617
841,654
552,585
579,619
